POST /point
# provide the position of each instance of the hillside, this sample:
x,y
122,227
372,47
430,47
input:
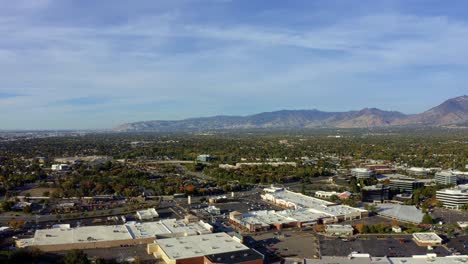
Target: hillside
x,y
451,112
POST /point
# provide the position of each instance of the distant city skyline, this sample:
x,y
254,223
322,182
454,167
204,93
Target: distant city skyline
x,y
97,64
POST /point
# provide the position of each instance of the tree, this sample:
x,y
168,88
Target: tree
x,y
334,198
362,228
16,224
76,257
27,209
427,219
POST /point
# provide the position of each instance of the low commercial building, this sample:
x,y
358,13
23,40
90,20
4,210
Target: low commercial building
x,y
328,195
273,164
256,221
217,199
325,194
203,249
204,158
374,193
131,233
361,173
293,200
446,178
60,167
453,198
302,210
339,230
403,213
396,229
413,171
148,214
427,239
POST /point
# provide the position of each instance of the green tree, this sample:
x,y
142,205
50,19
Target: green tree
x,y
427,219
76,257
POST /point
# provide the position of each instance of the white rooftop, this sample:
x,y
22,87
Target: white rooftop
x,y
57,236
427,237
130,230
195,246
318,205
424,259
459,190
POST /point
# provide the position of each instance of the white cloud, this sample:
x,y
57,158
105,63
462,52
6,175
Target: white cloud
x,y
134,63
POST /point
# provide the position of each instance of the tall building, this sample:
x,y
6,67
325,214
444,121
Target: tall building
x,y
377,192
446,178
453,198
361,173
405,185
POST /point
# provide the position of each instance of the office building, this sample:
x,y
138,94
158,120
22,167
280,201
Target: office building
x,y
374,193
361,173
405,185
446,178
453,198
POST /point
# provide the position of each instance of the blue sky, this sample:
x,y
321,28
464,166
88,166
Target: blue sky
x,y
97,64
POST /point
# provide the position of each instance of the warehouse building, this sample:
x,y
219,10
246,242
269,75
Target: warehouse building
x,y
203,249
63,237
403,213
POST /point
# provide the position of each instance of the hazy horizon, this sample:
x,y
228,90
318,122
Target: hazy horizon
x,y
95,65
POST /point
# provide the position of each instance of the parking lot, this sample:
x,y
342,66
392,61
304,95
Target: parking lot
x,y
288,244
449,216
456,244
376,246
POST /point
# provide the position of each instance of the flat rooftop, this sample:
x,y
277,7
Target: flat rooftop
x,y
434,260
196,246
130,230
267,218
408,213
352,260
432,237
58,236
318,205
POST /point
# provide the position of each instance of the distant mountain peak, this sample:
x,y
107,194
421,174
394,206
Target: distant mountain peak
x,y
451,112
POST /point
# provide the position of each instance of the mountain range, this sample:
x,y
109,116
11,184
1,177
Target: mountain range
x,y
453,112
